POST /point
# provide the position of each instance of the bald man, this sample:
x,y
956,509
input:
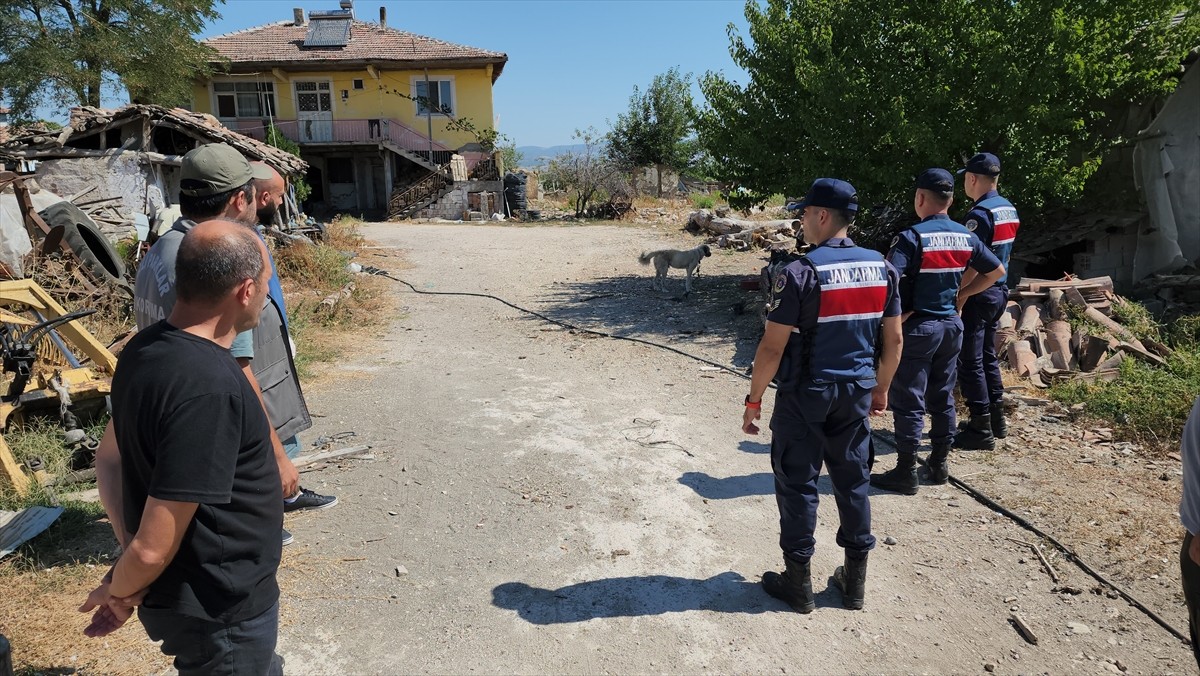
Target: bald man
x,y
202,510
268,193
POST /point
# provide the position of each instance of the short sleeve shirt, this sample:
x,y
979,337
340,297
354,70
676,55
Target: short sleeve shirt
x,y
199,434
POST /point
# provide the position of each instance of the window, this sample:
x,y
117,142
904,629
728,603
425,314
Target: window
x,y
439,96
245,99
313,97
358,84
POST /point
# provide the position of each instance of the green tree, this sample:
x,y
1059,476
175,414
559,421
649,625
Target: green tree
x,y
658,127
66,52
589,173
874,92
510,157
276,138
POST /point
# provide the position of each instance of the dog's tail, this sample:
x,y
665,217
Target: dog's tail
x,y
647,256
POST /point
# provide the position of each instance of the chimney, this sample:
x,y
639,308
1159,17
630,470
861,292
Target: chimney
x,y
382,17
297,16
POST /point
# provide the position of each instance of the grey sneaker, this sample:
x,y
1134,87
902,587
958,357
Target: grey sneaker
x,y
287,537
309,500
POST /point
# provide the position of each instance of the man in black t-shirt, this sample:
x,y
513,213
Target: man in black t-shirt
x,y
199,486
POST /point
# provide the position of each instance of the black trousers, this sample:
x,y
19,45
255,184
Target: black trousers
x,y
1191,592
245,648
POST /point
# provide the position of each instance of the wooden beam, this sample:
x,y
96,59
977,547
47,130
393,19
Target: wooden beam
x,y
10,470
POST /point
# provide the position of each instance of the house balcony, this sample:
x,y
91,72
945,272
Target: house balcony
x,y
373,131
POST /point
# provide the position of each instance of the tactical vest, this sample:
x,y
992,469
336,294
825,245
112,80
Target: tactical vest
x,y
851,293
1004,229
943,251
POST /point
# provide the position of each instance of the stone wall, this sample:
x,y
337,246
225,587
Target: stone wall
x,y
119,175
457,204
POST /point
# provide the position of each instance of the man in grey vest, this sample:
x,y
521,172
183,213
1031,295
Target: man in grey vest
x,y
216,180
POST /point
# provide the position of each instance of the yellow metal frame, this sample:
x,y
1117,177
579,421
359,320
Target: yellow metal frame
x,y
77,381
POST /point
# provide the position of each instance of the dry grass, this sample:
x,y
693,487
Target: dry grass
x,y
114,308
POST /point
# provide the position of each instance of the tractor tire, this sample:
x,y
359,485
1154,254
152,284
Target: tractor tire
x,y
96,254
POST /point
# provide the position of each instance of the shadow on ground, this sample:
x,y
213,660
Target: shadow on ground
x,y
636,596
628,306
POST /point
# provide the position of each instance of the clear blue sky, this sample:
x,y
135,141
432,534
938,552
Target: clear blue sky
x,y
570,63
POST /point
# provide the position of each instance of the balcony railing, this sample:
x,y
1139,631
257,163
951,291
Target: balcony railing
x,y
340,131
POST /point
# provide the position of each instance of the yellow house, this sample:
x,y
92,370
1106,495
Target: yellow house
x,y
376,110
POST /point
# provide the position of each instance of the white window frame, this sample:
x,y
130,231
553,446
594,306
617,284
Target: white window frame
x,y
320,80
216,103
439,79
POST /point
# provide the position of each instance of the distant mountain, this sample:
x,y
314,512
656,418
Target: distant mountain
x,y
536,156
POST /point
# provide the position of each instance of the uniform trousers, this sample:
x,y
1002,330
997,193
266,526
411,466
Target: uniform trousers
x,y
978,368
924,382
814,425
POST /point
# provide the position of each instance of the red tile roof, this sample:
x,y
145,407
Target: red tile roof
x,y
281,45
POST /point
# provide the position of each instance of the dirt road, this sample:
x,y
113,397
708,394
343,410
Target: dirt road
x,y
543,501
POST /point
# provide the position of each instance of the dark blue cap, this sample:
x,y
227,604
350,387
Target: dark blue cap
x,y
831,193
983,163
938,180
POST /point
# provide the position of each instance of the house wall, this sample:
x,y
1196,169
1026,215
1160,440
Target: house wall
x,y
379,99
119,175
1110,255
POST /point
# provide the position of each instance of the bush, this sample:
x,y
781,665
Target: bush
x,y
703,201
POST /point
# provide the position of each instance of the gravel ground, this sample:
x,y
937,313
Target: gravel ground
x,y
545,501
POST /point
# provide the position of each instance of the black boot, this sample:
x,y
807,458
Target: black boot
x,y
902,479
794,585
939,470
852,580
977,435
999,424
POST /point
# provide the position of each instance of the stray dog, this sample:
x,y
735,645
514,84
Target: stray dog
x,y
665,259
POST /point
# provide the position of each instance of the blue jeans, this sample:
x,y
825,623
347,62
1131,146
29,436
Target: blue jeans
x,y
291,446
206,647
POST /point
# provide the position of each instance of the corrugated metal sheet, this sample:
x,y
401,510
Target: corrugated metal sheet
x,y
16,528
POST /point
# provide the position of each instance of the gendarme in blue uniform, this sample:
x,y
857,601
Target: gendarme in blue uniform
x,y
931,257
994,221
835,298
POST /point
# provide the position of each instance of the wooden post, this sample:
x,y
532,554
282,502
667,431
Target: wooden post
x,y
10,470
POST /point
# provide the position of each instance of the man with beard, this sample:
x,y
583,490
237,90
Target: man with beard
x,y
270,354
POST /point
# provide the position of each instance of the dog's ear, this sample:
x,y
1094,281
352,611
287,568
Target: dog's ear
x,y
707,251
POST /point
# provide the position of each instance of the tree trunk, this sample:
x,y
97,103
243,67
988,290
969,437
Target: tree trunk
x,y
658,171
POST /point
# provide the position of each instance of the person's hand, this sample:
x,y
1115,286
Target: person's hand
x,y
879,400
959,302
106,619
1194,550
748,419
290,477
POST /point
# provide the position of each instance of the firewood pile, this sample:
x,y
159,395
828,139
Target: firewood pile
x,y
1036,336
742,235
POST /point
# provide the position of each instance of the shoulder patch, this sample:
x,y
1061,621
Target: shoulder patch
x,y
972,224
780,282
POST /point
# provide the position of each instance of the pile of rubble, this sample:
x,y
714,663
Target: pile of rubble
x,y
1053,331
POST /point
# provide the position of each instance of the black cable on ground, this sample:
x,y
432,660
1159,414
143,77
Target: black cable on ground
x,y
1067,551
959,483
